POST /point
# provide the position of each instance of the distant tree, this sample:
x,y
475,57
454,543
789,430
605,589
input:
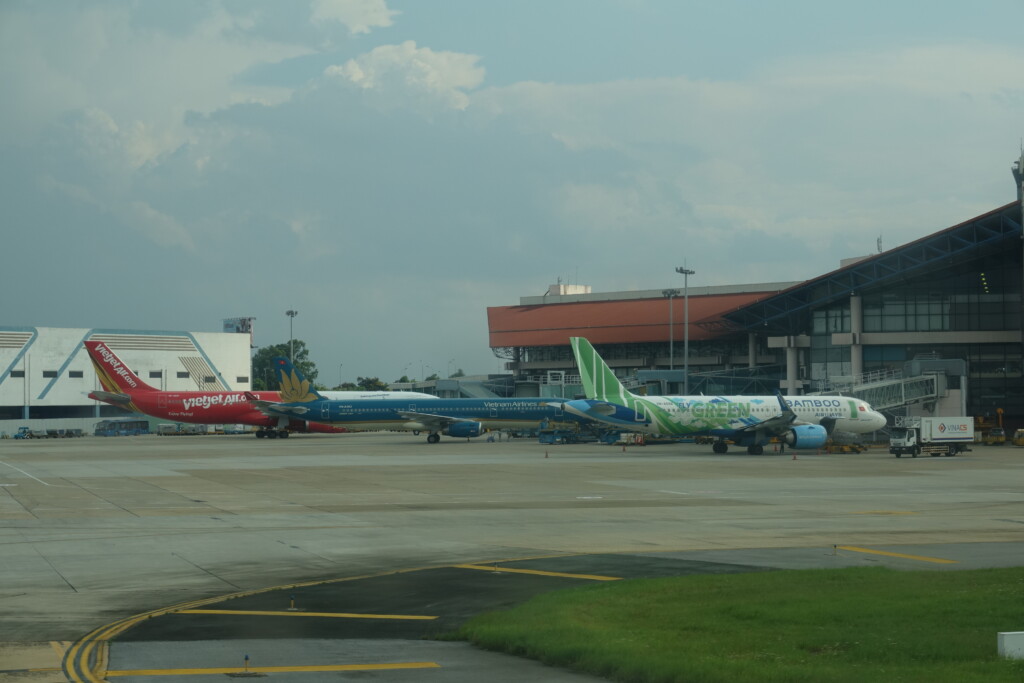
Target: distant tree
x,y
371,384
346,386
404,379
459,373
264,373
432,377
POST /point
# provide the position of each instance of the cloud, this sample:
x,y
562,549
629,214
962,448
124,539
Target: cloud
x,y
162,229
359,16
53,62
792,151
400,75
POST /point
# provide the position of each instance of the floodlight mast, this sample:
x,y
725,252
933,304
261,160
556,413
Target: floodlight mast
x,y
686,273
291,346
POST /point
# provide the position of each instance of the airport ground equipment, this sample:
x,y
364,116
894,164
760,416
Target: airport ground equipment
x,y
833,447
564,436
1018,437
994,437
933,436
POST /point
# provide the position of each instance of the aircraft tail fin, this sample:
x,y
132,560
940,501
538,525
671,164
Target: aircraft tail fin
x,y
114,375
599,382
294,387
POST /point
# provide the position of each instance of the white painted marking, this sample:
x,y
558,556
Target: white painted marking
x,y
26,473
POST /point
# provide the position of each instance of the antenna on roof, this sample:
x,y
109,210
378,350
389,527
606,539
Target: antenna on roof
x,y
878,244
1018,173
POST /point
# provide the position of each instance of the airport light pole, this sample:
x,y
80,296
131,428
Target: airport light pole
x,y
686,273
671,332
291,346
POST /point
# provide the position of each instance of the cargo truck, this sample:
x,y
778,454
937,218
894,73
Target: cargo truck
x,y
933,436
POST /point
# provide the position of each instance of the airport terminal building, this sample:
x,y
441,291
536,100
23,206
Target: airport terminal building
x,y
932,327
46,374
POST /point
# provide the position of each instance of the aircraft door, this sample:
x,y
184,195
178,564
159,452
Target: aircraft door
x,y
325,410
640,413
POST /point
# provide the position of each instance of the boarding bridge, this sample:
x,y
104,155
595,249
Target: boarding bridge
x,y
887,390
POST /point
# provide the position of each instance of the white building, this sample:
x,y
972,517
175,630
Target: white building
x,y
46,374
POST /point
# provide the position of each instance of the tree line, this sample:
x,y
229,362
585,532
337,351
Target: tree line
x,y
265,377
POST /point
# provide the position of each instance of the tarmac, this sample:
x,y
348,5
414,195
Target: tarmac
x,y
324,557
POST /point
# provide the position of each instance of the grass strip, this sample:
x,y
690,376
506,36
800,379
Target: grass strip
x,y
863,624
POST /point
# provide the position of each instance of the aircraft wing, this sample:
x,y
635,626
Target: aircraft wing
x,y
275,408
431,421
110,397
776,425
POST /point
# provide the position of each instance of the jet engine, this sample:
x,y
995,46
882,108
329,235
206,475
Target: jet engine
x,y
464,429
806,436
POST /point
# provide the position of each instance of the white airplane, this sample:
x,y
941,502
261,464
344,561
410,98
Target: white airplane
x,y
751,421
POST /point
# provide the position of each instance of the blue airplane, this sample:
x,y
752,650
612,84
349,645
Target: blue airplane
x,y
455,417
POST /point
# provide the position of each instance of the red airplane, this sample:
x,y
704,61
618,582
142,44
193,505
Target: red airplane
x,y
123,388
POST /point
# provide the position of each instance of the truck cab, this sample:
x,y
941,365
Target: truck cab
x,y
903,440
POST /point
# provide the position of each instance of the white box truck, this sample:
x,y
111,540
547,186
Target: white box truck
x,y
932,435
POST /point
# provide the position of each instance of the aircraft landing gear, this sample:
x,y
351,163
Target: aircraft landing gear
x,y
433,438
720,446
755,449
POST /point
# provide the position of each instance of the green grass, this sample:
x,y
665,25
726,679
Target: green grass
x,y
870,624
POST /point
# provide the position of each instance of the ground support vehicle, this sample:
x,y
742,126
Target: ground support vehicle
x,y
932,436
1018,437
845,448
121,427
180,429
562,436
994,437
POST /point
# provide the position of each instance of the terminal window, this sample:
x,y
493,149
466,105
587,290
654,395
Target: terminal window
x,y
49,373
183,375
17,373
75,374
156,374
209,379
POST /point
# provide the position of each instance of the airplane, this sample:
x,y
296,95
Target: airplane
x,y
455,417
123,388
751,421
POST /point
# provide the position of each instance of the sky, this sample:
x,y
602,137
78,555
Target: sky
x,y
391,168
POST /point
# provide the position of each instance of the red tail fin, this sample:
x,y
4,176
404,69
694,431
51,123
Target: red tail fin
x,y
114,375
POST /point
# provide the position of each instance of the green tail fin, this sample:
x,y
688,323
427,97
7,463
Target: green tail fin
x,y
599,382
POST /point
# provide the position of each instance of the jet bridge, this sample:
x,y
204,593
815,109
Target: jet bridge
x,y
890,390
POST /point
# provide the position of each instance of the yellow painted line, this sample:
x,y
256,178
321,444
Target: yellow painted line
x,y
885,512
274,669
338,615
937,560
537,572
